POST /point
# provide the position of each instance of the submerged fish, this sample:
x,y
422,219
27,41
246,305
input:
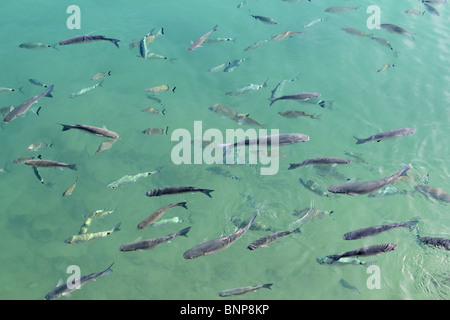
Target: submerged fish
x,y
276,92
166,221
105,145
219,39
38,174
307,215
157,56
100,75
151,110
85,90
295,114
7,90
256,45
158,213
313,22
223,110
49,164
65,288
340,261
247,89
264,19
233,64
433,192
284,35
128,179
297,96
100,132
237,291
371,231
37,146
246,120
200,40
88,38
365,251
384,43
152,243
69,191
396,133
436,242
176,190
160,88
337,9
414,11
37,83
395,29
265,240
37,45
358,188
218,244
385,67
431,9
347,285
320,161
313,186
355,32
85,237
156,131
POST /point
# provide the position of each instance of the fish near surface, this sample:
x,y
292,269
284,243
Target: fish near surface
x,y
297,96
85,90
152,243
374,230
100,132
176,190
396,133
338,9
202,39
158,213
243,290
128,179
265,240
49,164
365,251
358,188
395,29
251,87
436,242
433,192
88,38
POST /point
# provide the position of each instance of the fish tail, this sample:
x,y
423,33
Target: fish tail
x,y
183,204
54,46
272,100
163,111
65,127
268,285
20,89
215,28
116,227
73,166
109,270
100,83
292,166
359,141
410,224
109,73
167,128
253,218
184,232
162,30
116,43
173,90
207,192
405,169
296,230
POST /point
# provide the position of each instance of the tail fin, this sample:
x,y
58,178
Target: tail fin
x,y
116,43
20,89
73,166
359,141
296,230
48,92
66,127
54,46
215,28
182,204
405,169
116,227
268,285
207,192
184,232
292,166
173,89
272,100
167,128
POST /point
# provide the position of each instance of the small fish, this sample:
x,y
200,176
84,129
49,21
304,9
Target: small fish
x,y
200,40
295,114
337,9
247,89
219,39
49,164
37,83
160,88
436,242
85,237
256,45
320,161
155,131
347,285
385,67
223,111
151,110
355,32
215,245
395,29
365,251
313,186
356,156
38,174
313,22
158,213
245,119
233,64
433,192
276,92
166,221
284,35
85,90
237,291
265,240
150,37
218,68
358,188
100,75
37,146
65,289
69,191
100,132
371,231
105,145
37,46
264,19
152,243
431,9
176,190
414,11
22,159
128,179
22,108
156,56
7,90
310,214
340,261
88,38
384,43
396,133
297,96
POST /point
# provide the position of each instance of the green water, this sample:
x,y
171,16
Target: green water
x,y
35,220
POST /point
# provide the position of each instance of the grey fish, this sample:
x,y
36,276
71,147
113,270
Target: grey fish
x,y
37,45
49,164
320,161
88,38
128,179
264,19
158,213
7,90
276,92
152,243
233,64
37,83
337,9
100,132
218,244
396,133
395,29
355,32
256,45
431,9
371,231
202,39
347,285
297,96
365,251
85,90
358,188
251,87
64,289
237,291
176,190
38,174
265,240
384,43
293,114
433,192
283,139
22,108
312,186
436,242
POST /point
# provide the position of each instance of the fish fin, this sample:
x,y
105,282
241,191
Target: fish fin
x,y
20,89
109,73
163,111
207,192
173,90
73,166
184,231
268,285
359,141
292,166
183,204
116,43
167,128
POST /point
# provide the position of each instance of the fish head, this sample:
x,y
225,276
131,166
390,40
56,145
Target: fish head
x,y
112,185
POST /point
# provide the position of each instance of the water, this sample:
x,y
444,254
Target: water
x,y
36,220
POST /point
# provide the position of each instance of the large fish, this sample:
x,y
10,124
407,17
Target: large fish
x,y
320,161
365,251
371,231
395,29
128,179
297,96
158,213
152,243
87,38
176,190
49,164
358,188
22,108
218,244
265,240
396,133
436,242
433,192
200,40
237,291
100,132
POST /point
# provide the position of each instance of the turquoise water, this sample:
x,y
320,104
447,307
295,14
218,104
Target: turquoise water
x,y
35,220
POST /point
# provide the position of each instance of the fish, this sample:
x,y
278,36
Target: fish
x,y
37,46
200,40
100,75
414,11
90,217
347,285
337,9
233,64
320,161
265,240
358,188
64,288
215,245
436,242
395,29
38,174
37,83
297,96
100,132
365,251
340,261
151,110
49,164
22,108
37,146
160,88
223,111
313,186
266,20
155,131
256,225
433,192
355,32
431,9
22,159
435,2
85,237
143,48
247,89
105,145
88,38
7,90
356,156
245,119
374,230
156,56
295,114
86,225
129,179
237,291
385,67
219,68
388,191
166,221
384,43
158,213
85,90
176,190
150,37
284,35
396,133
69,191
309,214
256,45
313,22
219,39
152,243
276,92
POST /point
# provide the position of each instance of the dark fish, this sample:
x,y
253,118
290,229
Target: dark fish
x,y
371,231
237,291
101,132
358,188
64,289
431,9
365,251
264,19
320,161
158,213
265,240
433,192
175,190
396,133
88,38
436,242
298,96
395,29
38,83
152,243
49,164
218,244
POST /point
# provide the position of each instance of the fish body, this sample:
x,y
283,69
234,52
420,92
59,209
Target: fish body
x,y
215,245
158,213
371,231
245,119
337,9
36,46
414,11
88,38
155,131
307,215
100,132
129,179
358,188
320,161
347,285
431,9
49,164
64,289
247,89
256,45
340,261
365,251
433,192
296,113
219,68
355,32
265,240
150,37
85,237
85,90
105,145
151,110
385,67
313,186
313,22
436,242
37,146
383,42
200,40
37,83
266,20
22,159
161,88
219,39
284,35
223,110
100,75
276,92
152,243
243,290
156,56
69,191
283,139
396,133
395,29
176,190
297,96
22,108
7,90
166,221
233,65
